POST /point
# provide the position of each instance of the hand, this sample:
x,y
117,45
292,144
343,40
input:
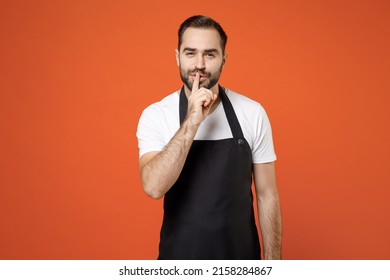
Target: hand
x,y
200,102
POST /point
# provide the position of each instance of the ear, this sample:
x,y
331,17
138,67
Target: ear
x,y
177,57
225,57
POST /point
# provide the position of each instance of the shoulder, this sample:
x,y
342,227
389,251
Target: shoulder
x,y
244,105
163,109
168,103
162,115
158,123
255,126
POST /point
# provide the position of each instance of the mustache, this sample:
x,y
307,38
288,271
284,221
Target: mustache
x,y
202,73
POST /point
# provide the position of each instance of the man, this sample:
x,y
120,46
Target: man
x,y
199,148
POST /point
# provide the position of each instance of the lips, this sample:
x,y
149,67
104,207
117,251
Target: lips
x,y
201,76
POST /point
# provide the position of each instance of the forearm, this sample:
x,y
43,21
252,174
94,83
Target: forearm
x,y
161,171
271,225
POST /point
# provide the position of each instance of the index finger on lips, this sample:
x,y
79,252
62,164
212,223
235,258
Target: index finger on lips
x,y
195,85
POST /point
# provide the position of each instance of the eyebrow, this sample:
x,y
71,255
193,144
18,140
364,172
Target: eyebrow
x,y
206,50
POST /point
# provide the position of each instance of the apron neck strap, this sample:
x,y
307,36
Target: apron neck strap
x,y
227,105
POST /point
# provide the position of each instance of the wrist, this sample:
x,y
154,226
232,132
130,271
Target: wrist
x,y
190,126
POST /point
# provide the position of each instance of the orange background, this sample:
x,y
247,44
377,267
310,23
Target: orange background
x,y
76,75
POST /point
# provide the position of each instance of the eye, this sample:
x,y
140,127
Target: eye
x,y
190,53
211,55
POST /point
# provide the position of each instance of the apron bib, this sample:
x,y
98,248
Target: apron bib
x,y
208,212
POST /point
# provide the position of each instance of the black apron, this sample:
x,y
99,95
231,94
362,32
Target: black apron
x,y
208,212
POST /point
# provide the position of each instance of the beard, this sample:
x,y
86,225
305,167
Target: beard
x,y
212,79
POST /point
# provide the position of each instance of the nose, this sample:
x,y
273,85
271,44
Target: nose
x,y
200,62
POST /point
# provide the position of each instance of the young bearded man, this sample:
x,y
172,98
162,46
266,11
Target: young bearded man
x,y
199,148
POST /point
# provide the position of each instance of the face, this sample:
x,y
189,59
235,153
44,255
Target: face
x,y
201,52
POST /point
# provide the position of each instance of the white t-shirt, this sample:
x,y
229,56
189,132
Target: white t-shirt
x,y
160,121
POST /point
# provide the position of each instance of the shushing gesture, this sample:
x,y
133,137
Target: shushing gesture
x,y
200,102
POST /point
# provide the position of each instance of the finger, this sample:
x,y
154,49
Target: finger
x,y
195,85
208,101
205,92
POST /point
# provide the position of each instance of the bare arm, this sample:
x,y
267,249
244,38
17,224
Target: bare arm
x,y
160,170
269,210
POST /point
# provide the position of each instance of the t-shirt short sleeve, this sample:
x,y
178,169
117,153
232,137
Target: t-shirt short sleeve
x,y
149,134
263,147
157,124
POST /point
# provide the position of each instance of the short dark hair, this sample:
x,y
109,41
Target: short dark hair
x,y
204,22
